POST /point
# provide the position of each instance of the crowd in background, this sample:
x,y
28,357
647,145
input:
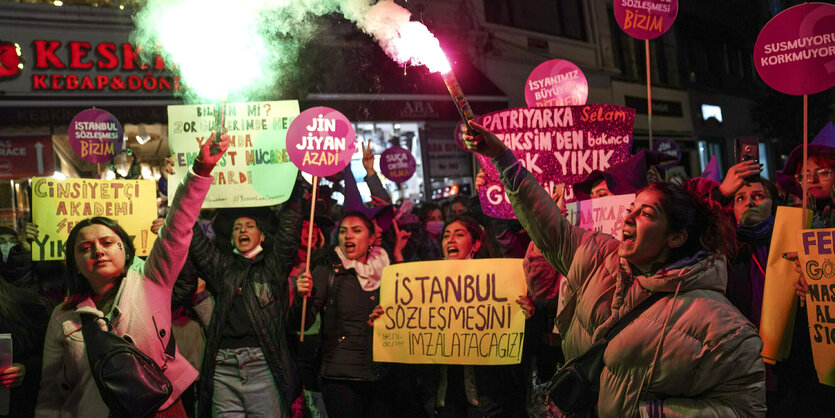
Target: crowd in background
x,y
235,300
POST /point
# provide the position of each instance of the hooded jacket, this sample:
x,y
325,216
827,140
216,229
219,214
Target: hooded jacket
x,y
708,361
264,289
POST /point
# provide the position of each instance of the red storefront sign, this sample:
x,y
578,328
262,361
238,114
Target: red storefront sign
x,y
26,156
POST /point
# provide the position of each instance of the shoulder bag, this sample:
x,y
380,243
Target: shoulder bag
x,y
575,385
131,383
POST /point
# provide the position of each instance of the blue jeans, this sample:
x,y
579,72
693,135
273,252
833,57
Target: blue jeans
x,y
243,385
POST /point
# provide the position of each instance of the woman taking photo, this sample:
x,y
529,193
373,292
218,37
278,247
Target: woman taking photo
x,y
109,281
691,352
345,289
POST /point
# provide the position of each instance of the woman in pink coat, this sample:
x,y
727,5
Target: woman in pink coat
x,y
109,281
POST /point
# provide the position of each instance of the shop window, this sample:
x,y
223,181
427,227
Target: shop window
x,y
564,18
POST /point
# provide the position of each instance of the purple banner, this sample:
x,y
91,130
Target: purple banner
x,y
397,164
96,135
557,145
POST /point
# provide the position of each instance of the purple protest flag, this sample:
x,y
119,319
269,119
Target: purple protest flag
x,y
712,171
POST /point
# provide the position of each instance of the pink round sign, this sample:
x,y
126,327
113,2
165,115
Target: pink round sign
x,y
397,164
556,83
795,51
646,19
321,141
95,135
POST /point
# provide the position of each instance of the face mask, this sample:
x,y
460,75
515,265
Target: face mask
x,y
6,248
435,227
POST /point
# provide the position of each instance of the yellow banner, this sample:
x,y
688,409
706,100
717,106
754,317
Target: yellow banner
x,y
451,312
779,300
817,260
57,205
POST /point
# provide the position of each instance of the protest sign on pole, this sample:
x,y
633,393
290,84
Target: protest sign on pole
x,y
795,51
451,312
795,54
95,135
57,205
556,145
816,251
397,164
256,170
646,19
556,83
320,142
779,300
603,214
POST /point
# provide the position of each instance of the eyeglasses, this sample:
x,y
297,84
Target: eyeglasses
x,y
818,174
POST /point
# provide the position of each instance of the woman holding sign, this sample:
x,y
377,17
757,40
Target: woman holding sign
x,y
107,280
690,351
455,390
344,287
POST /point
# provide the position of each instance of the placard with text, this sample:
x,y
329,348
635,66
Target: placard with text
x,y
256,169
556,145
816,251
57,205
451,312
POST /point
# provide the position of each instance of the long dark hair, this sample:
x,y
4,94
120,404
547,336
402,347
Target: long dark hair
x,y
708,229
476,233
77,285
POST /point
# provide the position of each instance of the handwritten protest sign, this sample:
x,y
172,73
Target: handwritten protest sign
x,y
556,83
256,170
397,164
321,141
95,135
779,301
816,250
451,312
795,51
645,19
603,214
57,205
556,145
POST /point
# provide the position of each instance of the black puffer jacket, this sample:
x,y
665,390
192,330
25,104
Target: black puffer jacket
x,y
264,275
346,335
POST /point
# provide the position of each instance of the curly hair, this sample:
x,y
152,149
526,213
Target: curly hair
x,y
708,228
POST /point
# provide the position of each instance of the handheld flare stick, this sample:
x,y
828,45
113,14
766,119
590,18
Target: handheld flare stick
x,y
220,121
458,98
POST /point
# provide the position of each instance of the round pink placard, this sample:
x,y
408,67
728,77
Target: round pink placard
x,y
646,19
397,164
795,51
95,135
556,83
321,141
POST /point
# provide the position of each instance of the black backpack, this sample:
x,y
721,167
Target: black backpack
x,y
131,383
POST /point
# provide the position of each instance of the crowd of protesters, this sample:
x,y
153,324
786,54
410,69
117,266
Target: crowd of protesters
x,y
230,285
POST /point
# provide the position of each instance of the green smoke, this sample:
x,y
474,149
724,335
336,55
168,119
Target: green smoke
x,y
246,47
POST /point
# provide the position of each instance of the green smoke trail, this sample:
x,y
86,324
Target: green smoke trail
x,y
246,47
